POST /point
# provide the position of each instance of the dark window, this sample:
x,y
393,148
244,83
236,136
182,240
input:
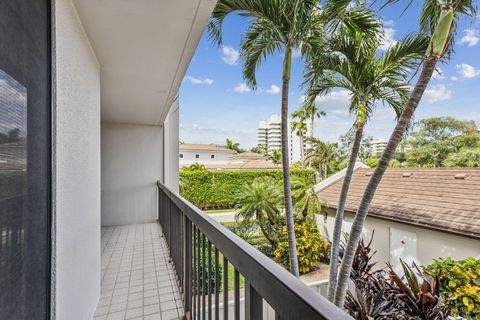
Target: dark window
x,y
197,156
25,159
181,155
212,156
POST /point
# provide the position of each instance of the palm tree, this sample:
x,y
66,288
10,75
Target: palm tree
x,y
352,63
320,154
300,128
439,20
261,200
305,200
275,156
313,112
280,26
235,146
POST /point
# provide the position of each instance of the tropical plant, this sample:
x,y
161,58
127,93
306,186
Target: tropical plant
x,y
281,26
306,203
459,285
311,247
353,63
235,146
275,155
313,112
421,299
320,154
260,149
261,201
300,128
439,19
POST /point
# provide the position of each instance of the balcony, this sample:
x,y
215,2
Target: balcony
x,y
201,249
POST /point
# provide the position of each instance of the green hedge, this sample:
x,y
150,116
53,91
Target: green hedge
x,y
216,189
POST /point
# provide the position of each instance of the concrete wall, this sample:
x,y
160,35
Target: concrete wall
x,y
205,157
132,163
171,140
430,244
77,170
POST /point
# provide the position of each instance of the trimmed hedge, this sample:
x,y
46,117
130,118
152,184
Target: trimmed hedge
x,y
217,189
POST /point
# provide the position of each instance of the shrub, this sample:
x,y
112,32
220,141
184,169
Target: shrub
x,y
217,189
204,274
460,285
311,247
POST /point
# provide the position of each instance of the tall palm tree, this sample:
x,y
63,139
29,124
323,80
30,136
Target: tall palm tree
x,y
320,154
261,200
235,146
313,112
352,62
439,20
305,200
280,26
300,128
275,156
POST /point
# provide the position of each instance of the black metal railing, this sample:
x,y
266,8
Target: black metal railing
x,y
200,248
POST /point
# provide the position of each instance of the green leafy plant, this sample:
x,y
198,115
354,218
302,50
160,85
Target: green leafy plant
x,y
217,189
460,285
206,275
311,247
421,300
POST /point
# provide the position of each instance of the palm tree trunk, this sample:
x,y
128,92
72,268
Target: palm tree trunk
x,y
337,231
302,151
292,244
395,138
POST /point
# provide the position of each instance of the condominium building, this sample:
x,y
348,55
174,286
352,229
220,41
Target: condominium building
x,y
269,135
378,145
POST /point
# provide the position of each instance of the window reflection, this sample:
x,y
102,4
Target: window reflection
x,y
13,191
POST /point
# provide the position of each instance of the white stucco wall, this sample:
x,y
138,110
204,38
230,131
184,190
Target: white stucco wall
x,y
204,157
430,244
171,141
132,163
77,169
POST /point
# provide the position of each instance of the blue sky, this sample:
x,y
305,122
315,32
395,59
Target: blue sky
x,y
215,104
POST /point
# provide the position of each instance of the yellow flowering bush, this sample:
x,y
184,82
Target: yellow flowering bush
x,y
460,285
311,247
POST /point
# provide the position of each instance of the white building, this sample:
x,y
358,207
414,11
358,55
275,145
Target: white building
x,y
378,145
205,154
269,135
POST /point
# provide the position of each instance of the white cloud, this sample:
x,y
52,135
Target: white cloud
x,y
454,78
296,53
230,55
272,90
336,103
470,37
194,80
241,88
467,71
388,23
437,93
388,38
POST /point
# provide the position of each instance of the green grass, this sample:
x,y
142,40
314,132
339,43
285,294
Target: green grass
x,y
220,210
231,274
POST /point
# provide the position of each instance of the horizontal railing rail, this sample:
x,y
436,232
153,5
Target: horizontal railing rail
x,y
197,244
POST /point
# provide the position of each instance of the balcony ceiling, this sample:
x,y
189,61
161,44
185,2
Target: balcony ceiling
x,y
144,48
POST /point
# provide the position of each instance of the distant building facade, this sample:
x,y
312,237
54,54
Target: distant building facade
x,y
378,146
269,135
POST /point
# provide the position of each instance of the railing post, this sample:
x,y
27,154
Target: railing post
x,y
253,303
187,282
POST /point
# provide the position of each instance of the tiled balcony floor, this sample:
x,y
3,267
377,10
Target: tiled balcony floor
x,y
138,282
